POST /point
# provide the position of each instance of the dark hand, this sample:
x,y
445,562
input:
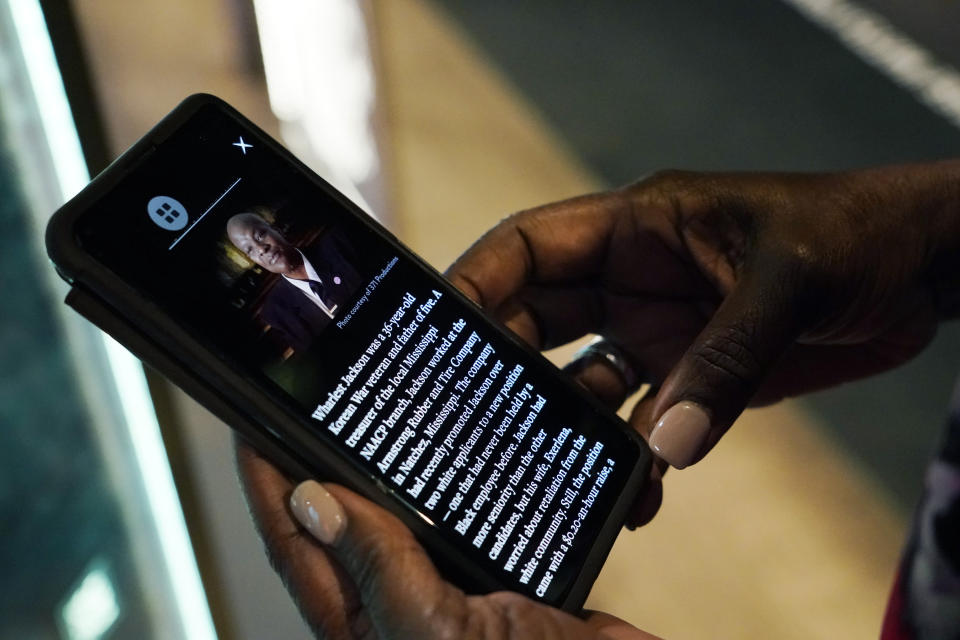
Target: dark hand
x,y
362,574
728,289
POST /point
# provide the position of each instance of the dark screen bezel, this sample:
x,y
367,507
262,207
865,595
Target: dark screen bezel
x,y
205,371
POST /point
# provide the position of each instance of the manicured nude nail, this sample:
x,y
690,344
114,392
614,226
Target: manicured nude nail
x,y
680,433
318,511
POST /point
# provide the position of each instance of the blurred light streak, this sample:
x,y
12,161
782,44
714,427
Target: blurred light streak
x,y
883,46
128,377
316,56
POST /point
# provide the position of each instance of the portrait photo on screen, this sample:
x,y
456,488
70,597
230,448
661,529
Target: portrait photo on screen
x,y
307,279
290,268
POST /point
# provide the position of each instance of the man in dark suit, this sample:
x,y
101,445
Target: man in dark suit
x,y
316,280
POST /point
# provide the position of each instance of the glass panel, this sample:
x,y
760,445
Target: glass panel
x,y
94,541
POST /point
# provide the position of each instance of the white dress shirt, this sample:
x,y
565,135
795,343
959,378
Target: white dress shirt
x,y
304,286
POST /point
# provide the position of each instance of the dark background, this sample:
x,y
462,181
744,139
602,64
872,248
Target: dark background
x,y
634,87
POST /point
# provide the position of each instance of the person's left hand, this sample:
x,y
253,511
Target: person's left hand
x,y
356,571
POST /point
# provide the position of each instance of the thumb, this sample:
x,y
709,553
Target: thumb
x,y
402,593
720,372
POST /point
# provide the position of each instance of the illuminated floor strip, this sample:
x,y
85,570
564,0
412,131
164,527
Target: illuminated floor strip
x,y
883,46
54,110
131,385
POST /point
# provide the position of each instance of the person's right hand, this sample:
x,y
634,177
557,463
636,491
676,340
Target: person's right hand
x,y
732,289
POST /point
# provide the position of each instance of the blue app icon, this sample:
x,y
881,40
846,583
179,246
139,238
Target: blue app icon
x,y
167,213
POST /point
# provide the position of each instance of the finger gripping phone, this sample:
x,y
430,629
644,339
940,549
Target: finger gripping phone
x,y
218,258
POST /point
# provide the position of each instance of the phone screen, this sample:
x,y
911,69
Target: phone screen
x,y
374,354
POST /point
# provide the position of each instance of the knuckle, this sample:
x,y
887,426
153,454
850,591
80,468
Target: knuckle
x,y
522,224
468,286
683,193
378,549
660,185
726,355
441,605
796,256
519,611
805,272
358,619
515,617
451,617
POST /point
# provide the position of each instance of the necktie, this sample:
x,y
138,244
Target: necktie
x,y
317,287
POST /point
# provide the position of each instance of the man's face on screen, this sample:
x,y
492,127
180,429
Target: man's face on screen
x,y
262,243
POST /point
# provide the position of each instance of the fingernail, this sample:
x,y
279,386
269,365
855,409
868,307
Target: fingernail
x,y
318,511
680,433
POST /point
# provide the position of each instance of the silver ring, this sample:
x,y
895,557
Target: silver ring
x,y
614,356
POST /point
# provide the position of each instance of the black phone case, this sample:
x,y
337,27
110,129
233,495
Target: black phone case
x,y
141,326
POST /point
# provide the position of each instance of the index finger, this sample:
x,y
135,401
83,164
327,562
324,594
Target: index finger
x,y
557,242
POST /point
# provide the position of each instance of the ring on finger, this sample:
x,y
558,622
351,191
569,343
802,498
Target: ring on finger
x,y
613,356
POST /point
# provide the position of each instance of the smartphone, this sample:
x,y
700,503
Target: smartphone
x,y
218,258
